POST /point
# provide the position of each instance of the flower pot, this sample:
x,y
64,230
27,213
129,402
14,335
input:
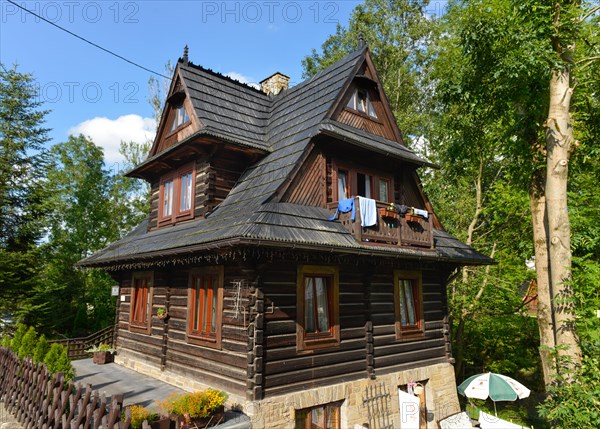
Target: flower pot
x,y
185,422
387,213
412,218
100,358
163,423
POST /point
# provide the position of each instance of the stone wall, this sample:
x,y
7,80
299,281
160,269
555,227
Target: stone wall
x,y
279,412
440,393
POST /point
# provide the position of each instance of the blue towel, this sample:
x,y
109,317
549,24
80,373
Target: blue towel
x,y
344,206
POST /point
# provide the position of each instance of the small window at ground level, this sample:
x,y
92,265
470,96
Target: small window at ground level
x,y
320,417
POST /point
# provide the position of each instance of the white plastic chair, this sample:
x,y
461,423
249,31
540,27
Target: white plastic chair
x,y
456,421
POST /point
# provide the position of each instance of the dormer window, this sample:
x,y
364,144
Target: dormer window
x,y
361,102
180,117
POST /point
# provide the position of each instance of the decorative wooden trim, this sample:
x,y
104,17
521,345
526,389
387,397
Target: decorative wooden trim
x,y
197,339
404,333
333,338
147,327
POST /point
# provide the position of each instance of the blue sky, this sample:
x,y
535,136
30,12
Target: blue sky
x,y
92,92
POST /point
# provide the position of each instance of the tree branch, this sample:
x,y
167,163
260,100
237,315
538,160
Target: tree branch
x,y
589,13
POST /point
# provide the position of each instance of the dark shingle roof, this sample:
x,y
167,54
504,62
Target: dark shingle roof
x,y
283,127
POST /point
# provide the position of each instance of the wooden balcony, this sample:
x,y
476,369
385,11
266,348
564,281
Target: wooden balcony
x,y
391,229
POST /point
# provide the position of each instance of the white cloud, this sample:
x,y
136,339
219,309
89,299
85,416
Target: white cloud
x,y
108,133
243,79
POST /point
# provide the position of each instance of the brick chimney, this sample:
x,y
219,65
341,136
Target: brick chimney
x,y
275,83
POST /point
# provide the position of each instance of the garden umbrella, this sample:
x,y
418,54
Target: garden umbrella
x,y
497,387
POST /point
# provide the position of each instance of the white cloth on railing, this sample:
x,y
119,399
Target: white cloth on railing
x,y
420,212
368,211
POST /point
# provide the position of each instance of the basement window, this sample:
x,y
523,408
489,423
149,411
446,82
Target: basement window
x,y
322,416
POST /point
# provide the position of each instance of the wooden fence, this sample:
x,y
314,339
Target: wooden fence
x,y
77,346
40,400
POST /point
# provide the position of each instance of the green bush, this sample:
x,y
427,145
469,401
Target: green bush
x,y
57,360
41,349
15,343
28,343
6,342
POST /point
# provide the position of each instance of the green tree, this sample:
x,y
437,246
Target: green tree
x,y
28,343
41,349
22,161
398,33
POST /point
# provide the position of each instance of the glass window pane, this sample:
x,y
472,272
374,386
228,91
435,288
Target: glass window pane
x,y
372,112
383,190
213,326
322,304
342,185
352,102
318,418
362,102
309,306
410,302
402,299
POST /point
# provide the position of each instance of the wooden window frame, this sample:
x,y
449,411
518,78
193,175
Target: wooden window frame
x,y
409,331
370,100
352,172
175,109
213,341
145,326
177,214
309,342
307,420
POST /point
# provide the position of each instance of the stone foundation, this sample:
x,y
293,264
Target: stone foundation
x,y
279,411
440,394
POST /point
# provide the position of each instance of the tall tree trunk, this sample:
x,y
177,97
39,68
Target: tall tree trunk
x,y
559,144
537,204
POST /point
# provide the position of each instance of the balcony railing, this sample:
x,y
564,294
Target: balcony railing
x,y
392,228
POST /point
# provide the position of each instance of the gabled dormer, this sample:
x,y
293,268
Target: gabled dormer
x,y
363,104
178,119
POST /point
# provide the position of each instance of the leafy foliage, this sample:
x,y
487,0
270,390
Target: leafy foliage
x,y
57,360
139,414
196,404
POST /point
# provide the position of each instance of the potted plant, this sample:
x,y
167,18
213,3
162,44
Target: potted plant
x,y
410,217
103,353
135,415
197,409
388,212
161,313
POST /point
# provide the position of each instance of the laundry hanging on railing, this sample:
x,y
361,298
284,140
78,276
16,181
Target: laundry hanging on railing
x,y
368,211
344,206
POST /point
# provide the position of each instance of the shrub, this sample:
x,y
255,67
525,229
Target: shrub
x,y
6,342
101,348
15,343
57,360
41,349
27,343
138,415
196,404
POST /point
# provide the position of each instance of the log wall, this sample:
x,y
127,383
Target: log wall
x,y
167,348
259,356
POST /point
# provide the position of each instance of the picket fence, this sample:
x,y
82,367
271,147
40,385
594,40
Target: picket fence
x,y
40,400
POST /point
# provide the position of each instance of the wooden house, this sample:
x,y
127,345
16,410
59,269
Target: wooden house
x,y
300,311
